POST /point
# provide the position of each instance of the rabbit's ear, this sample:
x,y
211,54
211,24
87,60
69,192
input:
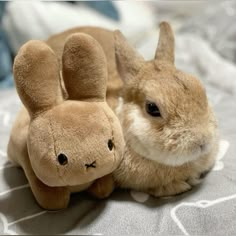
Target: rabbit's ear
x,y
128,60
36,74
166,44
84,68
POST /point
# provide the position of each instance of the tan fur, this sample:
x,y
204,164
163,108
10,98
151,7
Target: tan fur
x,y
164,155
79,127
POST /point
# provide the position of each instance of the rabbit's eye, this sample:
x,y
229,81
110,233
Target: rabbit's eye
x,y
152,109
110,144
62,159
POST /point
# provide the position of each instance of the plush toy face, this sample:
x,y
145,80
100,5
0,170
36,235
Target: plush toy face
x,y
75,141
68,147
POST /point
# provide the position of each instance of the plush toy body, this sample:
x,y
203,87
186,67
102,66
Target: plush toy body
x,y
169,128
64,145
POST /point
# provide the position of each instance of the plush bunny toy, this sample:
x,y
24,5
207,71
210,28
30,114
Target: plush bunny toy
x,y
64,145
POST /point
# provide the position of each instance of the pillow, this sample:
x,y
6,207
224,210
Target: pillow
x,y
38,20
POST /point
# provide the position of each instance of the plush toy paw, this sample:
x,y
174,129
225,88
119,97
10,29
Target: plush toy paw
x,y
51,198
103,187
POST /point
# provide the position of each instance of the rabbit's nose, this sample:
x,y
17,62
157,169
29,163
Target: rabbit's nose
x,y
203,147
62,159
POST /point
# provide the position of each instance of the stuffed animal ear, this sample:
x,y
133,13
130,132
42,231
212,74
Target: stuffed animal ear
x,y
36,74
84,68
128,60
166,44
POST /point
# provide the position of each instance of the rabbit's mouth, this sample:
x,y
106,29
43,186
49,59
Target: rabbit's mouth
x,y
176,157
205,148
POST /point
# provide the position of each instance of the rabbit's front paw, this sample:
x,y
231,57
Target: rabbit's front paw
x,y
198,178
102,187
174,188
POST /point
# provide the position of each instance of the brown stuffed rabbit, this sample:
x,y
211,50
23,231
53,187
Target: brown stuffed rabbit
x,y
64,145
169,128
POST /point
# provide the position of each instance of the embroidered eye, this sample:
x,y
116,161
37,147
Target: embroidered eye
x,y
110,144
152,109
62,159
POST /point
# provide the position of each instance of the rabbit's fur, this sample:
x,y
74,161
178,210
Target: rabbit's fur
x,y
83,127
164,155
